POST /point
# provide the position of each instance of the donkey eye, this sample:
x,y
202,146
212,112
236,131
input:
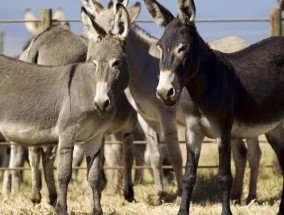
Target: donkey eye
x,y
116,63
95,64
182,48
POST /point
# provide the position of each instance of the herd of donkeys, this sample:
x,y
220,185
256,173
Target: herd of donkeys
x,y
116,81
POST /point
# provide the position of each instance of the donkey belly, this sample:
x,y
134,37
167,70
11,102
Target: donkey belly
x,y
241,130
29,134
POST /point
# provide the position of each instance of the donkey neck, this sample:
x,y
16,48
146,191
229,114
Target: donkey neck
x,y
212,75
143,68
138,42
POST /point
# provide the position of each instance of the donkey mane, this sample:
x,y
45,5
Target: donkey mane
x,y
144,35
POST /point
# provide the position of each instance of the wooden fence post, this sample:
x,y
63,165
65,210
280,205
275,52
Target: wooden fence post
x,y
1,42
46,19
276,19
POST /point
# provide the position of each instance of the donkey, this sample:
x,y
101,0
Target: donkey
x,y
222,96
125,119
42,105
19,153
240,152
153,116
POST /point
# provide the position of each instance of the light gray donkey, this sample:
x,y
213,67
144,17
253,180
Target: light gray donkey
x,y
71,48
42,105
153,116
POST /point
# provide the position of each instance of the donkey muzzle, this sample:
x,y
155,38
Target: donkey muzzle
x,y
102,101
165,89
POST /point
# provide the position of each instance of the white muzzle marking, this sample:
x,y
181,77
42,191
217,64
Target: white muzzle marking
x,y
165,85
101,100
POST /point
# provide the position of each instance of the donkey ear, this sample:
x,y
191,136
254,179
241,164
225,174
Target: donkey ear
x,y
123,2
59,14
93,6
32,26
110,4
186,11
134,12
160,14
121,22
93,30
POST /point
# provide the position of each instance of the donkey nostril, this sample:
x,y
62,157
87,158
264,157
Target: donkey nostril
x,y
106,104
171,92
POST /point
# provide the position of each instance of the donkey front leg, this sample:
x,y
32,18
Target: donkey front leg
x,y
225,175
171,137
66,146
155,159
127,164
48,158
92,149
194,138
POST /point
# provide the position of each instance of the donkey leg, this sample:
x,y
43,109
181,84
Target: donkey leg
x,y
78,156
254,155
127,164
155,159
48,158
138,153
170,132
276,140
92,149
239,152
6,189
65,149
225,175
194,139
17,154
34,157
113,157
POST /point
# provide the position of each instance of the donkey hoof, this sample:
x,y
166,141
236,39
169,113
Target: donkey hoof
x,y
97,212
60,210
52,200
182,212
129,194
36,198
251,200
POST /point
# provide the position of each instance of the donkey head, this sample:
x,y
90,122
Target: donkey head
x,y
106,52
176,48
105,16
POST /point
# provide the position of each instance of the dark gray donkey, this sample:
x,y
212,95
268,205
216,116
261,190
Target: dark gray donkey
x,y
41,105
222,96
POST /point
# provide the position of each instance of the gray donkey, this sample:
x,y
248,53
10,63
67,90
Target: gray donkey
x,y
19,153
41,105
72,48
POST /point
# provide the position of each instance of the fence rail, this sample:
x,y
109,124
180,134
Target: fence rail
x,y
11,21
133,167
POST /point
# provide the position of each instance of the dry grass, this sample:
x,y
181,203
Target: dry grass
x,y
205,197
